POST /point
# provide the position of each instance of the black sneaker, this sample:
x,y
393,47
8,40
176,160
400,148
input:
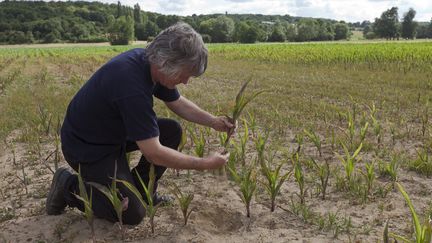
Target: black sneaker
x,y
55,203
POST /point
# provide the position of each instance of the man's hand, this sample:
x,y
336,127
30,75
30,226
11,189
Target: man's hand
x,y
215,161
222,124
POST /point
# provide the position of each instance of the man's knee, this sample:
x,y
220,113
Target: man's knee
x,y
134,214
171,132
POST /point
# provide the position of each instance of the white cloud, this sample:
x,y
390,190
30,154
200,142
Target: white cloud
x,y
347,10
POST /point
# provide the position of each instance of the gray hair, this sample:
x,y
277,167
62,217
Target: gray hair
x,y
178,48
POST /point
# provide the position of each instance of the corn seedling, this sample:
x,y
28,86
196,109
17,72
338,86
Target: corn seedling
x,y
423,163
323,172
240,103
199,142
363,132
148,190
349,161
260,145
247,181
389,169
252,123
351,129
87,202
299,177
119,202
422,233
44,120
369,176
315,139
184,201
299,139
274,180
243,142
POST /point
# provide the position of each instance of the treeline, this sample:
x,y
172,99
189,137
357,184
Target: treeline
x,y
49,22
390,27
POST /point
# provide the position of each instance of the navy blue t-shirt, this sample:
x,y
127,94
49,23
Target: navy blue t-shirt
x,y
114,106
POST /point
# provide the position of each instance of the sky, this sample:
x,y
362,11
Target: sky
x,y
347,10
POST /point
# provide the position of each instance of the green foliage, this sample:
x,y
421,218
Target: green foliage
x,y
149,205
323,172
121,32
423,232
86,199
246,180
342,31
387,26
240,103
299,177
184,201
199,142
349,161
113,194
409,26
274,180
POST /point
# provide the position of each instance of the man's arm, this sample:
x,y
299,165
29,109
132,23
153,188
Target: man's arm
x,y
187,110
170,158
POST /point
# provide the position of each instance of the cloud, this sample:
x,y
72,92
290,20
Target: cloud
x,y
172,5
346,10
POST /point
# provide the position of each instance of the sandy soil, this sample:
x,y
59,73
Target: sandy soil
x,y
218,216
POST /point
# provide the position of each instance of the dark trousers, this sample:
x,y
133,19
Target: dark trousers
x,y
102,172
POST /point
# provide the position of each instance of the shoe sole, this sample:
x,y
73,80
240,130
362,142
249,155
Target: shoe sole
x,y
53,189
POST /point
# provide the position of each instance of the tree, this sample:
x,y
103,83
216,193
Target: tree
x,y
278,34
221,29
246,32
325,31
408,25
307,30
122,31
388,25
137,14
290,32
342,31
151,30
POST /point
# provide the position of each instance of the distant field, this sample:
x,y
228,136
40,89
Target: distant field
x,y
320,98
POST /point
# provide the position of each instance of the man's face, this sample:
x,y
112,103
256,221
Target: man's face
x,y
171,82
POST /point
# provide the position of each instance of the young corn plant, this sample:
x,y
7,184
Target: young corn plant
x,y
274,180
199,142
260,145
423,232
377,129
299,139
243,142
184,200
252,123
86,199
369,176
323,172
349,161
247,182
423,163
389,169
149,206
363,132
299,177
113,194
240,103
315,139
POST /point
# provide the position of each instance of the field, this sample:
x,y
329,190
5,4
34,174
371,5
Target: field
x,y
348,121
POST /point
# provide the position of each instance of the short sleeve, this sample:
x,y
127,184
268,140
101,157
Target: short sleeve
x,y
139,119
166,94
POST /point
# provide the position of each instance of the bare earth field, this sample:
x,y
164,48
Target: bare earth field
x,y
36,88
